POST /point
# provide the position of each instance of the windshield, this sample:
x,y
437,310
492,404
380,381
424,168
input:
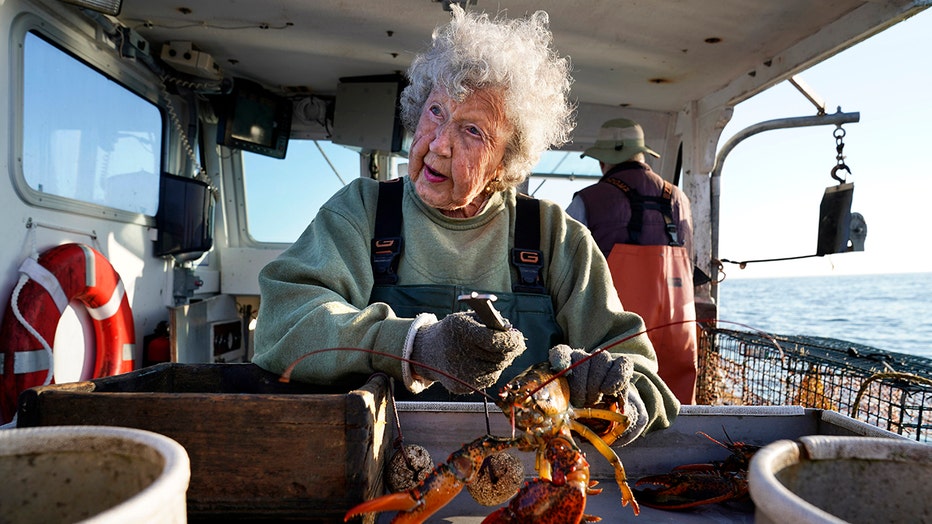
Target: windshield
x,y
283,195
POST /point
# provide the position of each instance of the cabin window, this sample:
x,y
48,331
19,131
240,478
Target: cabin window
x,y
560,174
283,195
86,137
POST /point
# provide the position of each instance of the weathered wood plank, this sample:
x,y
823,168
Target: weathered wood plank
x,y
258,448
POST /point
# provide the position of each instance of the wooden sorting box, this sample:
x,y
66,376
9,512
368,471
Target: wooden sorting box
x,y
259,449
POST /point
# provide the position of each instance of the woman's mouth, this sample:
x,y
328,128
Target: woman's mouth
x,y
433,176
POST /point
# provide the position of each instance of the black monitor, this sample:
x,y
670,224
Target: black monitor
x,y
184,218
254,119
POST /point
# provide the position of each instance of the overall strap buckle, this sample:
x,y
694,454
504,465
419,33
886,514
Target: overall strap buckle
x,y
530,264
385,255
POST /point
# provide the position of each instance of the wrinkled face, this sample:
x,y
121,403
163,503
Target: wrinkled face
x,y
457,149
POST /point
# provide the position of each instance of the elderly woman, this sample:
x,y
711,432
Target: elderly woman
x,y
484,101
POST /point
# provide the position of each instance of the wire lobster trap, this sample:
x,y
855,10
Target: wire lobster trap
x,y
890,390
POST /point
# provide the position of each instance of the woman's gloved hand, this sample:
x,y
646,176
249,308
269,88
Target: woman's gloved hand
x,y
462,346
603,375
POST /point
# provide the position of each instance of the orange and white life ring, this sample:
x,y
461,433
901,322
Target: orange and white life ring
x,y
66,273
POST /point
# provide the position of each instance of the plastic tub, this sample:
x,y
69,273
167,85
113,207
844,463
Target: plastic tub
x,y
832,479
94,474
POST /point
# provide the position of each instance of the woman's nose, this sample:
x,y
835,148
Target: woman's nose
x,y
441,143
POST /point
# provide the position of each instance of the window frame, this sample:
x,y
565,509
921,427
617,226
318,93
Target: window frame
x,y
234,166
131,76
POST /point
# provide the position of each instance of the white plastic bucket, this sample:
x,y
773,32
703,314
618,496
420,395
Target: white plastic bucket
x,y
92,474
834,479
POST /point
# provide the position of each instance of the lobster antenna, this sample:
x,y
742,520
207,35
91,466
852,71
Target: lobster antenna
x,y
488,423
764,334
285,377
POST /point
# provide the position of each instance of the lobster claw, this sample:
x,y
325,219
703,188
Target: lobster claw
x,y
418,503
439,487
690,486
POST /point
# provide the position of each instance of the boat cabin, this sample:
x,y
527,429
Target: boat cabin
x,y
190,144
158,154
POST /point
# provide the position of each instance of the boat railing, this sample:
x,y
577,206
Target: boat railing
x,y
887,389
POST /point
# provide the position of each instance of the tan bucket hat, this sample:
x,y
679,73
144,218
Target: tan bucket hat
x,y
619,140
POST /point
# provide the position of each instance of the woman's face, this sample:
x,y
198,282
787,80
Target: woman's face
x,y
457,149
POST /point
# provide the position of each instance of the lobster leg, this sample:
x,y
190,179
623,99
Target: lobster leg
x,y
620,426
439,487
627,496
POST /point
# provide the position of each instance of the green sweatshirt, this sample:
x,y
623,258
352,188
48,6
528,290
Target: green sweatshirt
x,y
315,295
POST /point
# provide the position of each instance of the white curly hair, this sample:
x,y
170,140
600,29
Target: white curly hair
x,y
473,52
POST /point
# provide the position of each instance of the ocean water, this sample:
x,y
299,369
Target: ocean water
x,y
892,312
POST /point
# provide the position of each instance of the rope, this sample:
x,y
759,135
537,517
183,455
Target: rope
x,y
744,263
909,377
14,303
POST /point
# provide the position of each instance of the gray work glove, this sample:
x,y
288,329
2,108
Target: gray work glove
x,y
463,347
606,375
603,374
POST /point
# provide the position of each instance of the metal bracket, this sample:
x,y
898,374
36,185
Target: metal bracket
x,y
481,303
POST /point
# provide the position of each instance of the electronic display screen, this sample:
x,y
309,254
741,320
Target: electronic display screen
x,y
255,120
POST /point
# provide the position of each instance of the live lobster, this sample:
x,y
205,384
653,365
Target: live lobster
x,y
692,485
537,403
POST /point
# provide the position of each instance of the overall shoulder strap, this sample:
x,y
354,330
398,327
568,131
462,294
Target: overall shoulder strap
x,y
637,208
387,243
526,255
665,206
639,203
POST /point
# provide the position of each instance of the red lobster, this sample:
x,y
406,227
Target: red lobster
x,y
537,402
694,485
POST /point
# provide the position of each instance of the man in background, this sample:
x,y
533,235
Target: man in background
x,y
643,226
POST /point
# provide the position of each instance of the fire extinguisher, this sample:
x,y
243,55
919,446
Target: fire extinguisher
x,y
157,346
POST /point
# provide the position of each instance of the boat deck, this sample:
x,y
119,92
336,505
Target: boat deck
x,y
655,453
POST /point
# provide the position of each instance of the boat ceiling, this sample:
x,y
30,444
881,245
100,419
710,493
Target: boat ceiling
x,y
656,55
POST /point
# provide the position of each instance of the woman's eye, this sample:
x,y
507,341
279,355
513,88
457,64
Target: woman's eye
x,y
473,130
435,110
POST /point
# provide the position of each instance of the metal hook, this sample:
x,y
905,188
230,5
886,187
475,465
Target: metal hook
x,y
835,170
839,135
